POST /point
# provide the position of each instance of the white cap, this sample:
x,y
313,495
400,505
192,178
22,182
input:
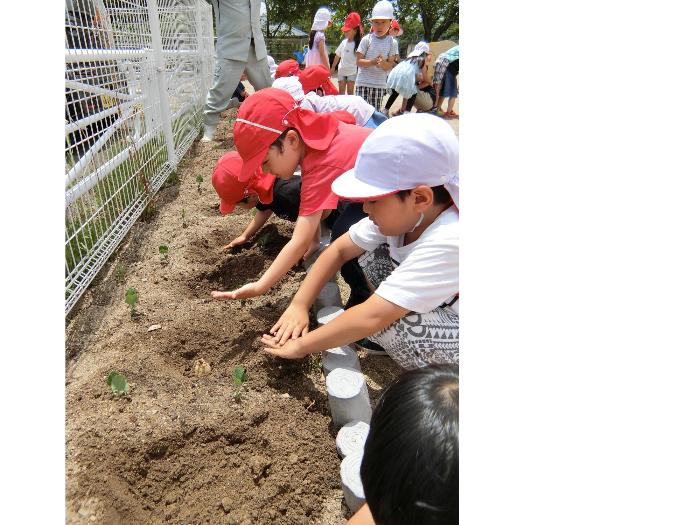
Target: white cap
x,y
382,10
321,19
421,47
291,85
401,154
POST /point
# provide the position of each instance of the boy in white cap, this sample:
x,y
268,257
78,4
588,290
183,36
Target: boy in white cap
x,y
377,54
406,173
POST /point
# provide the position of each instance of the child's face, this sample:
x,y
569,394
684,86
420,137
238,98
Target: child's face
x,y
392,215
350,33
249,201
381,27
281,162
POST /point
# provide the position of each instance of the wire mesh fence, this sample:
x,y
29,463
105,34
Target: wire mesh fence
x,y
137,74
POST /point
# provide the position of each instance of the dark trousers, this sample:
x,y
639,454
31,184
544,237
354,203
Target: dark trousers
x,y
394,95
349,214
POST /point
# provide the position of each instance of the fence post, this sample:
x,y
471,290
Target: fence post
x,y
157,43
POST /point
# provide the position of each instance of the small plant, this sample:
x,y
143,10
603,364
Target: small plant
x,y
200,180
131,299
120,272
163,250
118,384
238,377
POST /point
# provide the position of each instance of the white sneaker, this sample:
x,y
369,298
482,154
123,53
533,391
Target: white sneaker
x,y
209,132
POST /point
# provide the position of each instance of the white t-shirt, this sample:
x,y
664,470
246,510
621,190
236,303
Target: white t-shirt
x,y
371,46
313,55
426,273
358,106
348,61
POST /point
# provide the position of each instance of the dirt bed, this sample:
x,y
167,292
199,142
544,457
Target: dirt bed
x,y
179,449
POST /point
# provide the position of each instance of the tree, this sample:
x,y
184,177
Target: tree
x,y
437,17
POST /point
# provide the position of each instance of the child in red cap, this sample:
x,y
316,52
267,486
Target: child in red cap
x,y
273,133
407,175
287,68
345,58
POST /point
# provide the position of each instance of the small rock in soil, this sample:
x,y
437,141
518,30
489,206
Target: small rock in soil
x,y
201,367
154,327
226,504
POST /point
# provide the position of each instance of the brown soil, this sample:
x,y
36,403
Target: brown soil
x,y
179,448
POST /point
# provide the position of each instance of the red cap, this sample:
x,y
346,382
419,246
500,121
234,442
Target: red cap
x,y
395,25
343,116
352,21
232,190
287,68
265,115
317,76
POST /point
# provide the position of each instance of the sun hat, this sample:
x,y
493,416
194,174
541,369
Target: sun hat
x,y
317,76
322,19
231,189
287,68
382,10
352,21
395,25
421,47
265,115
401,154
291,85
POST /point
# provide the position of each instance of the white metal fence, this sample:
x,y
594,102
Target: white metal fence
x,y
137,75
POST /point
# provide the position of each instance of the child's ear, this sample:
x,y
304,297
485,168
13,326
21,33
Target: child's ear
x,y
423,196
293,138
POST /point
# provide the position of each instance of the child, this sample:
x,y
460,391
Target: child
x,y
364,114
317,53
273,133
404,78
377,54
407,175
287,68
345,54
410,466
445,81
396,31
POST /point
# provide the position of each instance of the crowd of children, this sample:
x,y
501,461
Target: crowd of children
x,y
388,189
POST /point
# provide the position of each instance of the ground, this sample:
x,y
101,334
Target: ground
x,y
179,448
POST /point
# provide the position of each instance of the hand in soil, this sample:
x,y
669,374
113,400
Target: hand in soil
x,y
293,323
244,292
235,242
290,350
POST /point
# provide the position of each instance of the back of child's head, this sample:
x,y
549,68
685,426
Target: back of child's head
x,y
410,468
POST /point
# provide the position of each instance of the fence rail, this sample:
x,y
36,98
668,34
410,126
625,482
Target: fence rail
x,y
137,74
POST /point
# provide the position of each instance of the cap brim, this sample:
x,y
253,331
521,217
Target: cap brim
x,y
226,207
348,187
251,165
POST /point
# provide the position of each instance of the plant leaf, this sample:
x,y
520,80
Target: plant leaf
x,y
131,297
239,376
118,383
163,249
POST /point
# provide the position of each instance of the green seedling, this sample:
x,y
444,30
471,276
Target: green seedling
x,y
131,299
238,377
200,180
163,250
120,273
118,384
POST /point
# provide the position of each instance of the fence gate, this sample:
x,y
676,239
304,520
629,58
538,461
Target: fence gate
x,y
137,75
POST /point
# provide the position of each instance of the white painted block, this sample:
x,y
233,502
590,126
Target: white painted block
x,y
326,314
347,396
351,438
340,357
351,482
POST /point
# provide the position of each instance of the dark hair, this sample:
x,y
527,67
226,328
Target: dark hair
x,y
312,34
420,60
279,140
410,468
440,194
358,37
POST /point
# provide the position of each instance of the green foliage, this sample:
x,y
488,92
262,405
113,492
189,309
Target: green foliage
x,y
118,384
120,272
238,376
163,250
200,180
131,299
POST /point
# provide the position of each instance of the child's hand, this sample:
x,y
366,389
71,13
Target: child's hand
x,y
293,323
244,292
379,60
235,242
290,350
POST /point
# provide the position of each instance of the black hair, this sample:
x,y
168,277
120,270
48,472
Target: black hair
x,y
410,467
420,60
312,34
279,140
358,37
440,194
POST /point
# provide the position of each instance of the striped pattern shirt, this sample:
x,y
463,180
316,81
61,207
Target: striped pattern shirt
x,y
371,46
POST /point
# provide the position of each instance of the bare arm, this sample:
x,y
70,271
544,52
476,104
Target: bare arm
x,y
336,59
365,62
362,517
323,53
253,227
304,231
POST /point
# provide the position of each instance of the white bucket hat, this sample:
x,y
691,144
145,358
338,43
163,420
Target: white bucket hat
x,y
321,19
382,10
401,154
421,47
291,85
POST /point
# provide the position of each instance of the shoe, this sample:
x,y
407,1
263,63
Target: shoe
x,y
209,132
451,115
370,347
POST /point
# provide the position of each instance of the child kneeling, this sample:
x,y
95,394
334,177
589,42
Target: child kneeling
x,y
406,174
